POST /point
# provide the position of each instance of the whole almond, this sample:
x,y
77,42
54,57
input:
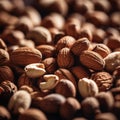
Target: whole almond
x,y
50,64
69,108
25,55
98,18
113,42
66,88
65,74
51,103
66,41
65,58
102,49
40,35
92,60
80,45
47,50
6,74
53,20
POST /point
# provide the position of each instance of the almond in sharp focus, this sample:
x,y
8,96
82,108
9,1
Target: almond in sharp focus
x,y
92,60
65,58
102,49
25,55
66,41
80,45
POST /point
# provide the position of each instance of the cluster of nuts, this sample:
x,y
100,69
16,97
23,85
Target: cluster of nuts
x,y
59,59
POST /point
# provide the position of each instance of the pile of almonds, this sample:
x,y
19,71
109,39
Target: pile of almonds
x,y
59,59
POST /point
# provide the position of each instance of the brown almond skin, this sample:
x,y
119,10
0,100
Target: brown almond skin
x,y
64,87
99,35
24,80
102,49
98,18
51,103
65,74
40,35
113,42
69,108
14,37
65,58
106,101
32,114
66,41
92,60
90,107
80,72
80,45
47,50
25,55
50,64
6,74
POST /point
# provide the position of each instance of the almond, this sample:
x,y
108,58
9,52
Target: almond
x,y
25,55
65,58
92,60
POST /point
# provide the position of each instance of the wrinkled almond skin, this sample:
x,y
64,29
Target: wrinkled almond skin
x,y
50,64
102,49
92,60
66,41
65,58
65,74
25,55
80,45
